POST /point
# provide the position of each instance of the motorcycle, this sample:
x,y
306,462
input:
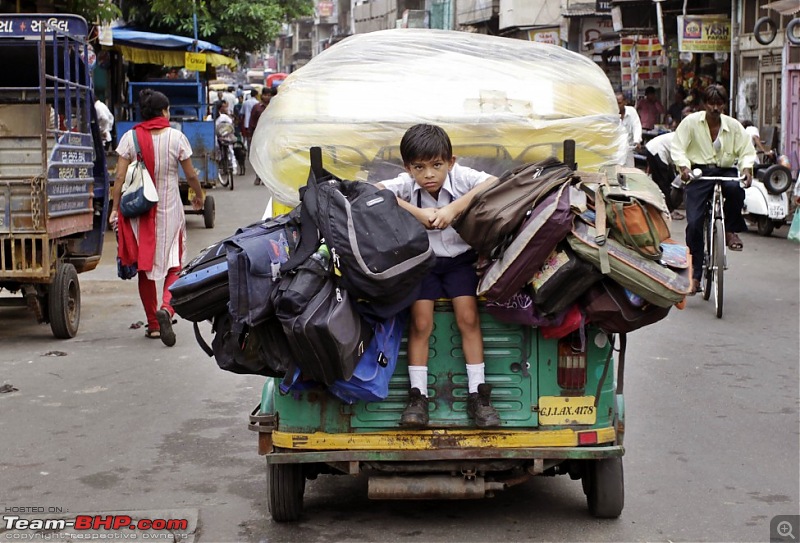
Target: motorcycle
x,y
766,201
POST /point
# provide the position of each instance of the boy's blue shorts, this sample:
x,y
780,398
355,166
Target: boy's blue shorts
x,y
451,277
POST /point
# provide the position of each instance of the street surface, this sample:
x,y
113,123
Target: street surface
x,y
113,423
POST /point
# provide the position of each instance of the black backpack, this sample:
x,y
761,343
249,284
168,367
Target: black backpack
x,y
381,250
325,332
260,350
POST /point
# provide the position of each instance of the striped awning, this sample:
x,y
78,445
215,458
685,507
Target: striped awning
x,y
784,7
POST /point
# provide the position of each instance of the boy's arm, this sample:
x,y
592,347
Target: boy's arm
x,y
447,214
423,215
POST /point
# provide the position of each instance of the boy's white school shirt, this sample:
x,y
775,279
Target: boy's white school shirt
x,y
460,180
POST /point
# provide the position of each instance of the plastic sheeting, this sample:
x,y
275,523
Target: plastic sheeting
x,y
502,101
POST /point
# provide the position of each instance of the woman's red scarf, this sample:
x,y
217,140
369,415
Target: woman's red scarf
x,y
142,253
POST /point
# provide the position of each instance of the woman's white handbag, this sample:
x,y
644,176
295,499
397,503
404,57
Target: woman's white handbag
x,y
139,193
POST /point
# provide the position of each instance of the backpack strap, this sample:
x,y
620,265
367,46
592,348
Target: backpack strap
x,y
201,341
309,231
623,344
600,224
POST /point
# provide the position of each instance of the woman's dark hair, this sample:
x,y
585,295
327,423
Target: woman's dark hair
x,y
425,142
152,104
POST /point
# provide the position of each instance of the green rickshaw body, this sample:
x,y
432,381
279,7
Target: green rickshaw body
x,y
546,428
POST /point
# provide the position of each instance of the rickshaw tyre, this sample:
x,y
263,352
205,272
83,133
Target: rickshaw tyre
x,y
64,302
606,495
765,24
209,212
790,28
777,179
764,226
286,484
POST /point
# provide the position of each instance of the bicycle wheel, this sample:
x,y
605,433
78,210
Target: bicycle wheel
x,y
222,170
708,267
719,265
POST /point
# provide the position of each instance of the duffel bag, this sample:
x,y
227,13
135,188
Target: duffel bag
x,y
655,283
201,291
607,305
370,379
255,254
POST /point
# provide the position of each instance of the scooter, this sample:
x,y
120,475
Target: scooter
x,y
766,202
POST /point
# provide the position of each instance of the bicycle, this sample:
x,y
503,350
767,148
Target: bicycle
x,y
715,249
226,166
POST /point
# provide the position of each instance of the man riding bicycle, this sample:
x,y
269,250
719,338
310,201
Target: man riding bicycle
x,y
718,145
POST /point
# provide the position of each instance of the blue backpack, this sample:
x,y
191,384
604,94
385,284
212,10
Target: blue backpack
x,y
370,379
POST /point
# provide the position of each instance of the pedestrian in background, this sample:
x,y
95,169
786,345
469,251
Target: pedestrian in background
x,y
649,109
633,128
255,115
105,121
155,242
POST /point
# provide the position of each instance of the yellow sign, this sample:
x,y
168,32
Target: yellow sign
x,y
195,62
704,33
567,410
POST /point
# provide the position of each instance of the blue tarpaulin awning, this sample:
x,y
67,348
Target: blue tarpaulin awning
x,y
165,49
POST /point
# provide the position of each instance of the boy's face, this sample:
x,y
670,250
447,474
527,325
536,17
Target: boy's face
x,y
430,174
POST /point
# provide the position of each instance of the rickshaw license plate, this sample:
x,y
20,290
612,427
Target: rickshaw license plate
x,y
560,410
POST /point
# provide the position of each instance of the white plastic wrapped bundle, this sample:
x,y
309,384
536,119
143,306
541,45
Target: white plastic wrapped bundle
x,y
502,101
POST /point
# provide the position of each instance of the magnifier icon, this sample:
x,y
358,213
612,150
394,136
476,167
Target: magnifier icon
x,y
785,529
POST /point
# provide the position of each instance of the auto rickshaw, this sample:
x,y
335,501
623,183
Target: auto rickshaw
x,y
503,102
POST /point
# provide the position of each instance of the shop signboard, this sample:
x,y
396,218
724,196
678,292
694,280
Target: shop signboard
x,y
545,35
704,33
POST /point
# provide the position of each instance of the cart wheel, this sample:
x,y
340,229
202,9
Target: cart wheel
x,y
606,487
64,302
286,486
765,225
209,211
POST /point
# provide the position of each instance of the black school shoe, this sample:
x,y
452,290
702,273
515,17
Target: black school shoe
x,y
480,409
416,412
165,326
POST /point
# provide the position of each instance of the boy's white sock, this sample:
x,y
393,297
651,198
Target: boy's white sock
x,y
418,375
475,376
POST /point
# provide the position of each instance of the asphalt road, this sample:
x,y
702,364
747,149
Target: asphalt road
x,y
113,423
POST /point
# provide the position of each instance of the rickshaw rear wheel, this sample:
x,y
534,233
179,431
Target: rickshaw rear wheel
x,y
286,484
64,302
209,212
604,486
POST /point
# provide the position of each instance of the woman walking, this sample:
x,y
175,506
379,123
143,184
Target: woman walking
x,y
155,241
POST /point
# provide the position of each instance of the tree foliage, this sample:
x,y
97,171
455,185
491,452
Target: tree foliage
x,y
239,26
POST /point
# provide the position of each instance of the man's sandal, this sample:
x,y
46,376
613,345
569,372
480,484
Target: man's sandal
x,y
152,334
733,241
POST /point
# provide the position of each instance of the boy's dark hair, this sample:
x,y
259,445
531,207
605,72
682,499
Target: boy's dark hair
x,y
425,142
152,103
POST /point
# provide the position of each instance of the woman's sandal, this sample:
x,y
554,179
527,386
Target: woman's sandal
x,y
152,334
733,242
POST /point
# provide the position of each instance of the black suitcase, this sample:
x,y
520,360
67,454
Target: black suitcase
x,y
201,291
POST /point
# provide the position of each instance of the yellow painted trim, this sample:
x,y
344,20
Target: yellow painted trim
x,y
436,439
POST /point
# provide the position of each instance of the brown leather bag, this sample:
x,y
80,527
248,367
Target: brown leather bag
x,y
496,212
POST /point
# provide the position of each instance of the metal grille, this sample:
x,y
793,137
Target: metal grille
x,y
25,257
